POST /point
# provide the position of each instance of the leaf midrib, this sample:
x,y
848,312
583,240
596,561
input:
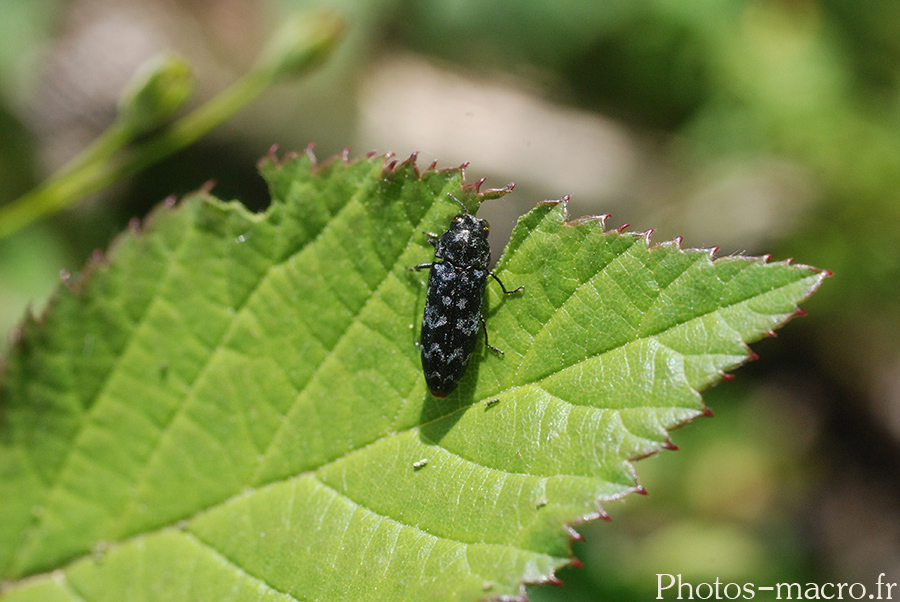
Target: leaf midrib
x,y
555,370
352,202
87,417
115,367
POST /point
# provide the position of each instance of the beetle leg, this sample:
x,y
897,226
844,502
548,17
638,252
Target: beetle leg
x,y
488,345
500,282
421,266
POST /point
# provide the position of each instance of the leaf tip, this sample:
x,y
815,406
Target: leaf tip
x,y
271,157
564,201
15,337
488,193
95,258
395,165
271,154
587,219
65,277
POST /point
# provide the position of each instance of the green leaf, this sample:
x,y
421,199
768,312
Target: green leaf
x,y
230,406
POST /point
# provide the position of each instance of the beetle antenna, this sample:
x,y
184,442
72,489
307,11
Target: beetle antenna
x,y
460,203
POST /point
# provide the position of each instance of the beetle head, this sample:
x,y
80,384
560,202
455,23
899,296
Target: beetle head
x,y
465,244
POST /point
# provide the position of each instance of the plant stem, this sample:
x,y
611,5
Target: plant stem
x,y
106,160
178,136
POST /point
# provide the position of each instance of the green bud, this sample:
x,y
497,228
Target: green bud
x,y
302,42
158,89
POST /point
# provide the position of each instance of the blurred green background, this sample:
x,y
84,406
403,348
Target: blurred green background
x,y
767,126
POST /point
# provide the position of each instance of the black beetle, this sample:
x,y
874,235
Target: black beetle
x,y
454,299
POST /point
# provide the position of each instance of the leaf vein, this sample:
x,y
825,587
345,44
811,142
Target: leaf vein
x,y
359,506
237,567
654,335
